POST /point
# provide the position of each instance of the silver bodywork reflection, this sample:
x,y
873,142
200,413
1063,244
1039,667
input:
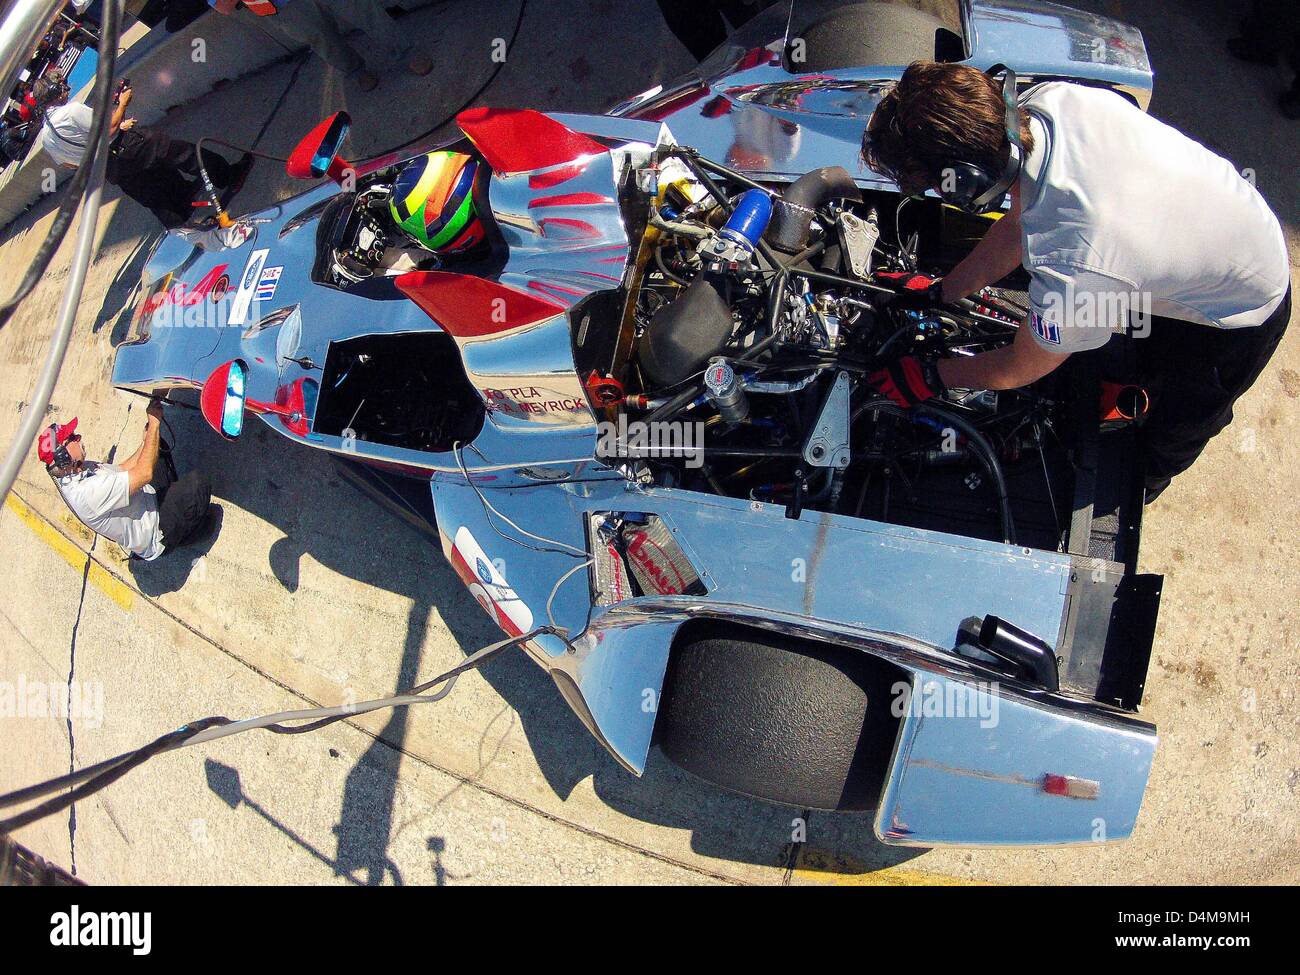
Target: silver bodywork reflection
x,y
869,587
744,107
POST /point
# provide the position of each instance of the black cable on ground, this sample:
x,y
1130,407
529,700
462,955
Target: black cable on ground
x,y
230,145
75,187
293,80
113,770
88,781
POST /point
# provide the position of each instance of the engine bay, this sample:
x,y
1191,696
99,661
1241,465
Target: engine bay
x,y
762,331
751,319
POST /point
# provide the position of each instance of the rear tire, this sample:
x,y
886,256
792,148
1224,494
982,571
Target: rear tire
x,y
779,718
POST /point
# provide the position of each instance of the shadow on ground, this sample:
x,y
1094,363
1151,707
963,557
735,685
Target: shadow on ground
x,y
1226,105
296,489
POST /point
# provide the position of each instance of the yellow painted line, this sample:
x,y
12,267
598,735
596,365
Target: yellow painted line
x,y
835,869
107,583
987,214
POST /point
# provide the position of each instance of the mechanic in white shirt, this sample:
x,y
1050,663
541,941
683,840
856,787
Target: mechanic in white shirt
x,y
66,129
138,504
1111,212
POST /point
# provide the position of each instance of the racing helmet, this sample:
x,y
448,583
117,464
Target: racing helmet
x,y
433,202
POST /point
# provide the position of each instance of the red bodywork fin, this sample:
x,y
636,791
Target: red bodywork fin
x,y
519,140
470,307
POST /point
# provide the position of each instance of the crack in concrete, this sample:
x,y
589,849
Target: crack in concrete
x,y
401,749
72,665
72,740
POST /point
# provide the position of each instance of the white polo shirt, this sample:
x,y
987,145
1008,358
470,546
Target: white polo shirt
x,y
1121,212
66,133
100,495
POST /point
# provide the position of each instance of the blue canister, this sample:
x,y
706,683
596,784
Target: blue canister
x,y
749,220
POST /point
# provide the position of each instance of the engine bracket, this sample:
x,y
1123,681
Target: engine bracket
x,y
828,443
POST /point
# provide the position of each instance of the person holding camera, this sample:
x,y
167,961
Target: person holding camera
x,y
158,172
140,503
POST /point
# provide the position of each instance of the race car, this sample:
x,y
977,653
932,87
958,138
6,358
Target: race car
x,y
619,363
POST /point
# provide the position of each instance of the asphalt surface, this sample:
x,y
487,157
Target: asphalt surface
x,y
312,594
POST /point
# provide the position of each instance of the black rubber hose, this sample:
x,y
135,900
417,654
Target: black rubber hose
x,y
983,450
992,464
844,282
793,211
711,451
731,174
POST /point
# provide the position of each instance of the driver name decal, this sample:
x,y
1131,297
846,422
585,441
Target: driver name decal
x,y
530,401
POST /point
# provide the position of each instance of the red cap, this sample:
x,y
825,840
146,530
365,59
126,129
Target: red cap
x,y
52,436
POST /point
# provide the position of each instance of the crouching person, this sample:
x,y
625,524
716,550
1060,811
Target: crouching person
x,y
140,503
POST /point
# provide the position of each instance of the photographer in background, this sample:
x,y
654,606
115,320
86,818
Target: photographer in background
x,y
158,172
13,143
140,503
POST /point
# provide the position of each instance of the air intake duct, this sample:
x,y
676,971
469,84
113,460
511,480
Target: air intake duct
x,y
792,213
1020,647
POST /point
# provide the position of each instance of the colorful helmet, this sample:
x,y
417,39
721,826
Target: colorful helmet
x,y
433,202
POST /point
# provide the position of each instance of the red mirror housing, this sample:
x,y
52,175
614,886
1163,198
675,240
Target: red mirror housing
x,y
317,154
221,400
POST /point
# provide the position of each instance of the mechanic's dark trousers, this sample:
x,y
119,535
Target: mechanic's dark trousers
x,y
1193,375
162,174
182,503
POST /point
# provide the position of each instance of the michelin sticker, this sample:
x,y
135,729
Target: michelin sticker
x,y
248,283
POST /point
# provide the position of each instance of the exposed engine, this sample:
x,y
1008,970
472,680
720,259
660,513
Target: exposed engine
x,y
757,322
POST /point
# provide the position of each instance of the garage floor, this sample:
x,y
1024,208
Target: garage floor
x,y
312,594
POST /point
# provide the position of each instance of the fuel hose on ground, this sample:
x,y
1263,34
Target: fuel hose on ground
x,y
87,781
210,188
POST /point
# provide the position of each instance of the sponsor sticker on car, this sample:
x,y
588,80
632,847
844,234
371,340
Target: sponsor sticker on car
x,y
487,584
248,282
268,282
